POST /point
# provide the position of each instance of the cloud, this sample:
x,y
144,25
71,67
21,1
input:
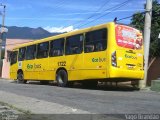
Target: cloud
x,y
59,29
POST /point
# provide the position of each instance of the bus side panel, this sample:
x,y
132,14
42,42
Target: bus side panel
x,y
95,65
37,69
13,71
29,70
42,66
54,64
74,65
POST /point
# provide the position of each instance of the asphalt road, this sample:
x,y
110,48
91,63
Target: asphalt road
x,y
103,100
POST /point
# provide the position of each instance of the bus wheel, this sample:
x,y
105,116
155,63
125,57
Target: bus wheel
x,y
62,78
20,78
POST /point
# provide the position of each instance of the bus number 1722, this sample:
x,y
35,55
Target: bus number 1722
x,y
63,63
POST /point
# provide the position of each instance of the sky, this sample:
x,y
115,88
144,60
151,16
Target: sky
x,y
67,15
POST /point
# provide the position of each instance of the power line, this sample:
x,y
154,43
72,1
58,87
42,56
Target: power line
x,y
60,4
101,7
96,12
130,16
112,9
106,9
124,18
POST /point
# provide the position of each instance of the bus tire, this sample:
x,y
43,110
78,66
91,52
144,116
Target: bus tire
x,y
62,78
20,78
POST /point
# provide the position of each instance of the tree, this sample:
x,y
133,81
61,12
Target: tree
x,y
138,22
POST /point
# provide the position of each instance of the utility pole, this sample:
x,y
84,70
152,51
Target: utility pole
x,y
147,32
1,41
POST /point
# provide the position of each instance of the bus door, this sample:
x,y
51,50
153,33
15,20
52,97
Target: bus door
x,y
95,56
13,65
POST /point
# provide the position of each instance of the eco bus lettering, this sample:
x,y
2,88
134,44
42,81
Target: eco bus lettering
x,y
29,66
99,59
129,56
37,65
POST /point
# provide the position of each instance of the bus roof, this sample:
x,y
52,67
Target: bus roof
x,y
63,35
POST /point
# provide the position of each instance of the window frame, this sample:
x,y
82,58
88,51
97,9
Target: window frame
x,y
35,52
23,57
102,42
38,54
11,59
51,45
81,45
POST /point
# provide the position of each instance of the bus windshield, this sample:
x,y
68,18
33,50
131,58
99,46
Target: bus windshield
x,y
128,37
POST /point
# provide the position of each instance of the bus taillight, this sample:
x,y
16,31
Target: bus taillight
x,y
114,59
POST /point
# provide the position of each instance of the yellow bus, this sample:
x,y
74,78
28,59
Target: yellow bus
x,y
107,52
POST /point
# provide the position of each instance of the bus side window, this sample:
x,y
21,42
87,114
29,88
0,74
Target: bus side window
x,y
13,57
42,50
21,55
95,41
99,47
56,47
74,44
89,48
31,52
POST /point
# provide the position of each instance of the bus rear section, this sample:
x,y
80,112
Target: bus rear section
x,y
127,61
